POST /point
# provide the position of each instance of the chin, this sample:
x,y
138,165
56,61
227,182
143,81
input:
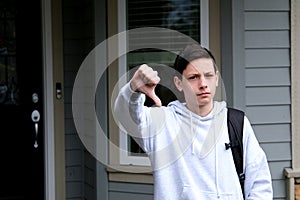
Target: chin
x,y
205,103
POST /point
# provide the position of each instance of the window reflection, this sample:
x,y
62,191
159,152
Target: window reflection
x,y
9,92
179,15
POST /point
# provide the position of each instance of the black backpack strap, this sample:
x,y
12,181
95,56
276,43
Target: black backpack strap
x,y
235,123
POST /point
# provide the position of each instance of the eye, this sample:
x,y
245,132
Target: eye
x,y
193,77
209,75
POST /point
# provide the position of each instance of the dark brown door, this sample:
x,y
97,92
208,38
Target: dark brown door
x,y
21,101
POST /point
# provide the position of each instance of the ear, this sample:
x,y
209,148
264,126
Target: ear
x,y
178,83
217,78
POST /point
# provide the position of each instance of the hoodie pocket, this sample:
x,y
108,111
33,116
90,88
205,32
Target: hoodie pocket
x,y
192,193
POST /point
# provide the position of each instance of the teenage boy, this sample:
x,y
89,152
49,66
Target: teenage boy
x,y
185,140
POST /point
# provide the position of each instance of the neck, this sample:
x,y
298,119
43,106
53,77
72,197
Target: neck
x,y
202,110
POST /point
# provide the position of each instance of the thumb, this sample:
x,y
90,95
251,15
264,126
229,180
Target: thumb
x,y
155,98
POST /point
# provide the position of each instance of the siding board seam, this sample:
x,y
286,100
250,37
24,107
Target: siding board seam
x,y
279,123
265,106
268,86
265,11
275,142
268,29
266,48
130,192
267,67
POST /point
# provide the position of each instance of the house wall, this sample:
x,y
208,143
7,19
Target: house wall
x,y
86,178
267,82
264,80
78,36
266,88
130,191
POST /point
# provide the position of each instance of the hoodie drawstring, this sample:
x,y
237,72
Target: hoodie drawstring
x,y
215,135
192,131
216,163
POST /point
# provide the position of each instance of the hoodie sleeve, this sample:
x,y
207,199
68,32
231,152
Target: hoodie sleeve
x,y
258,183
133,117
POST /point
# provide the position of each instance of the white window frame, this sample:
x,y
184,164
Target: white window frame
x,y
126,159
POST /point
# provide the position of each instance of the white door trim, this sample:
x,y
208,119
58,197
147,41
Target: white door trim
x,y
48,101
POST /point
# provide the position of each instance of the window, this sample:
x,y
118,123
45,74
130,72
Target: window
x,y
189,17
9,91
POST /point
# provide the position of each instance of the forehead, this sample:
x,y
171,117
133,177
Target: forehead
x,y
200,65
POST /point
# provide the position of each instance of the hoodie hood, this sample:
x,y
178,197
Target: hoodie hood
x,y
181,109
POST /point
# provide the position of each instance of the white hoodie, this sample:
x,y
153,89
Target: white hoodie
x,y
188,154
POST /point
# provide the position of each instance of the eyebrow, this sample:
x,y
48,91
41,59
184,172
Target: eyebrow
x,y
197,73
210,72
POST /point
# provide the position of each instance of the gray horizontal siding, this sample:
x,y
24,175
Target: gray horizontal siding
x,y
267,20
267,5
265,95
74,157
279,188
276,169
78,41
74,190
269,114
74,174
131,196
267,57
130,191
89,176
267,79
280,151
267,39
267,133
73,142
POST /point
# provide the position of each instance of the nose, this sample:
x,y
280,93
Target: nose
x,y
202,83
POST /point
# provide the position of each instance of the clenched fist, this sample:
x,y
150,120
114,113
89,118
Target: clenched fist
x,y
145,80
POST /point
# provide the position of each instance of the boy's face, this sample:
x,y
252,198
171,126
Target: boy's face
x,y
199,82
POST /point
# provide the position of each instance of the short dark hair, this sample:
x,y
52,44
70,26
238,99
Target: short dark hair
x,y
189,53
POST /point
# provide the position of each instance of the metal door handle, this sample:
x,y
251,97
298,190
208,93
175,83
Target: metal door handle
x,y
36,134
35,116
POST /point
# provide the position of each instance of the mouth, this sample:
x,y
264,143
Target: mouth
x,y
203,94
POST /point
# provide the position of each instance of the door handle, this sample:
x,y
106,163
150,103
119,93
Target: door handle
x,y
35,116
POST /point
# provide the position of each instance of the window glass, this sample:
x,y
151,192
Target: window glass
x,y
9,91
178,15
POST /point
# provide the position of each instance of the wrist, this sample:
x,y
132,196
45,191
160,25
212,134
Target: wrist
x,y
132,87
